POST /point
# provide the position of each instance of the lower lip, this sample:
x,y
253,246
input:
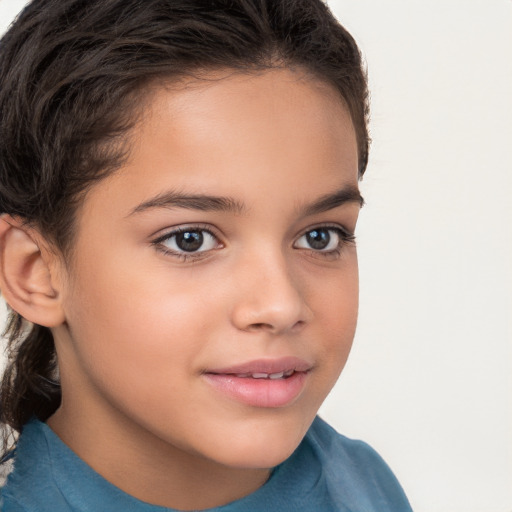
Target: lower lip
x,y
259,392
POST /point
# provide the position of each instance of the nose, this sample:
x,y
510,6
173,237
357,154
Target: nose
x,y
269,298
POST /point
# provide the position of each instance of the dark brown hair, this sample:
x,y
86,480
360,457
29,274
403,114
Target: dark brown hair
x,y
71,75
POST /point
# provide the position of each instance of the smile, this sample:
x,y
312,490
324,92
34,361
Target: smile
x,y
278,375
262,383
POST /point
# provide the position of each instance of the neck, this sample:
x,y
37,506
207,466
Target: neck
x,y
147,467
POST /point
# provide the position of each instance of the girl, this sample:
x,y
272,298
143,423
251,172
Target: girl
x,y
179,194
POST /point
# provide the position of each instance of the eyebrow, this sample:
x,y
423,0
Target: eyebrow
x,y
199,202
207,203
348,194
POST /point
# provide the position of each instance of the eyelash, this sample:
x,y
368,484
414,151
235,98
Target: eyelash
x,y
185,256
345,238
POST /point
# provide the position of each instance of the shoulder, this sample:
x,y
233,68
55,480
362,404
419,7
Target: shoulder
x,y
8,504
30,486
354,472
334,446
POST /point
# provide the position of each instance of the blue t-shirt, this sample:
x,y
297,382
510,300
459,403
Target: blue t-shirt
x,y
327,472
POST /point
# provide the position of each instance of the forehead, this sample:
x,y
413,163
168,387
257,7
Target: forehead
x,y
280,133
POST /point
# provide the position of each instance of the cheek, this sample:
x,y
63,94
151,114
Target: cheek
x,y
339,313
128,323
335,296
336,316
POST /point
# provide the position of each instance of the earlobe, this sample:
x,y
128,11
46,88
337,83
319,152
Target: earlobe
x,y
25,275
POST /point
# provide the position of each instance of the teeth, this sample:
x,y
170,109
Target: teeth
x,y
272,376
259,375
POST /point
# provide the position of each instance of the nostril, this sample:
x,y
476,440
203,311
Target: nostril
x,y
259,326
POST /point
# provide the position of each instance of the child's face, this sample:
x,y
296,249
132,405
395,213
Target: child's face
x,y
219,251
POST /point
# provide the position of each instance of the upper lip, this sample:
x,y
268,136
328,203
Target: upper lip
x,y
269,366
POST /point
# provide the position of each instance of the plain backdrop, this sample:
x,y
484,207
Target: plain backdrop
x,y
429,381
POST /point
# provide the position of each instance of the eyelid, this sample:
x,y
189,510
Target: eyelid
x,y
345,232
346,236
182,228
163,234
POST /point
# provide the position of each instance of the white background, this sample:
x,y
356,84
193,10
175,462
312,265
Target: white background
x,y
429,381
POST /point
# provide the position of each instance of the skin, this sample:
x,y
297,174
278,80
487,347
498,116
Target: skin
x,y
142,324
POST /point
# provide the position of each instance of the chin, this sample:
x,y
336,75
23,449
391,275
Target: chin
x,y
258,457
264,447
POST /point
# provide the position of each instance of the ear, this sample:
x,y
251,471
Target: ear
x,y
26,279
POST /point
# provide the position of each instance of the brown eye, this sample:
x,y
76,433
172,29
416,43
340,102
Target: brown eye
x,y
323,239
318,239
188,240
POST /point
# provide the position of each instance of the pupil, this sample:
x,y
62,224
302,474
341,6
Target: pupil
x,y
318,238
189,240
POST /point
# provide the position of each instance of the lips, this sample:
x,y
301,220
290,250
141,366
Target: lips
x,y
262,383
266,366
